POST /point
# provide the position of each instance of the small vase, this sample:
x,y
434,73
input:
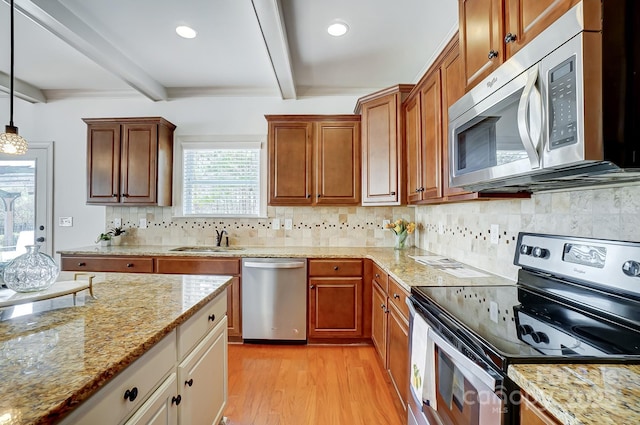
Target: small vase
x,y
33,271
105,242
401,238
116,240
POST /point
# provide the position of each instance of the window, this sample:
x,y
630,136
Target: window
x,y
221,178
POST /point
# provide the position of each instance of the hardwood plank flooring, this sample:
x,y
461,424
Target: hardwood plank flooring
x,y
308,385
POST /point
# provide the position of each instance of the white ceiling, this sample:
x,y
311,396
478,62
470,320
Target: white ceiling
x,y
280,48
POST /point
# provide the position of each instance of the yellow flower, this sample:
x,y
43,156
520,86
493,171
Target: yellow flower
x,y
400,226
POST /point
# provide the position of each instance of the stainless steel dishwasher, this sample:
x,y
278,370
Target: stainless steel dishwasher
x,y
274,299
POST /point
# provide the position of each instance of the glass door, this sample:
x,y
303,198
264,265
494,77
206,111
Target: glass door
x,y
25,201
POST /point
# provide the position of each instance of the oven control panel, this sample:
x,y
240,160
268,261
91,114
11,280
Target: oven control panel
x,y
611,265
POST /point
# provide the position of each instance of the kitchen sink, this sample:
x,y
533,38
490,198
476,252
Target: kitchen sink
x,y
207,248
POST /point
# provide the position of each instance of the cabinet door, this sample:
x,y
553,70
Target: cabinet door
x,y
398,352
160,408
337,163
335,307
526,19
102,263
139,163
413,140
379,322
531,414
381,152
103,164
290,163
234,323
431,125
481,43
202,379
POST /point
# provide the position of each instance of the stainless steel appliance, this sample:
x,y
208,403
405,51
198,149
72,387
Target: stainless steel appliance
x,y
274,299
564,111
576,300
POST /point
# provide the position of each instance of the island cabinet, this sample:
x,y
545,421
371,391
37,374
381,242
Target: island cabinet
x,y
491,31
390,330
336,300
314,159
383,154
181,380
170,265
531,413
129,161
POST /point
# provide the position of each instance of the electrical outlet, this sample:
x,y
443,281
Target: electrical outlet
x,y
65,221
275,224
493,311
143,223
495,233
288,224
441,228
384,223
117,222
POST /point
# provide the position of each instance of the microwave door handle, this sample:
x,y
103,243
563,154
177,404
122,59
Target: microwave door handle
x,y
530,146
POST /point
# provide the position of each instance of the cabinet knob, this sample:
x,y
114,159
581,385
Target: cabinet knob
x,y
176,400
377,276
308,196
82,264
131,394
318,195
492,54
393,194
212,317
189,382
335,267
417,190
396,296
510,38
129,265
115,195
312,286
382,306
125,195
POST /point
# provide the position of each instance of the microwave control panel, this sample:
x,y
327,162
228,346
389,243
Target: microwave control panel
x,y
562,104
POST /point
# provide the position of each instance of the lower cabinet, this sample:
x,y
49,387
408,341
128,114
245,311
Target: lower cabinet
x,y
180,380
390,330
532,414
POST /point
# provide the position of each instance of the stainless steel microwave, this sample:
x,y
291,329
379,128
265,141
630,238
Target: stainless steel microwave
x,y
562,112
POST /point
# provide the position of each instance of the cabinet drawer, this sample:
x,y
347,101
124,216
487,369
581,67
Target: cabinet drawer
x,y
334,267
108,264
197,326
381,277
198,265
398,297
144,375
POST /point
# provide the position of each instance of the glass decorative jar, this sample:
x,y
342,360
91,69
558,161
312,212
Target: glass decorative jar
x,y
401,239
32,271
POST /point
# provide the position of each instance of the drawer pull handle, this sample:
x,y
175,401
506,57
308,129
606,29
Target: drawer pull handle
x,y
396,296
212,317
189,382
82,264
335,267
129,265
131,394
176,400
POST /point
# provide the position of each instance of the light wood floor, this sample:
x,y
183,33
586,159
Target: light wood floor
x,y
308,385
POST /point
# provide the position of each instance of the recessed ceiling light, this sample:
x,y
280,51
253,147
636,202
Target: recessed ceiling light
x,y
337,29
186,32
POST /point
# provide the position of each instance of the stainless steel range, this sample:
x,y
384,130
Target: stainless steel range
x,y
576,300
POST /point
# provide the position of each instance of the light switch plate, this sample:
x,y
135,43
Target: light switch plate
x,y
275,224
495,233
493,311
288,224
143,223
117,222
384,223
65,221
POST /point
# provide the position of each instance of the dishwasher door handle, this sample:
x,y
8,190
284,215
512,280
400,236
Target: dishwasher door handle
x,y
287,265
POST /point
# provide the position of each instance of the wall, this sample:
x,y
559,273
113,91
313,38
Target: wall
x,y
461,231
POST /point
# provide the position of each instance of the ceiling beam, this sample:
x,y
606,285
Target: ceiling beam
x,y
21,89
60,21
274,34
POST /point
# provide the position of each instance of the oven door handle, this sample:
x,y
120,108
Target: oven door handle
x,y
524,123
467,366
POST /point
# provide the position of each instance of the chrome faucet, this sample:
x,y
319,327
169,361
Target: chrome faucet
x,y
219,234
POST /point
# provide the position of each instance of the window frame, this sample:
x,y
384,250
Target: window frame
x,y
217,142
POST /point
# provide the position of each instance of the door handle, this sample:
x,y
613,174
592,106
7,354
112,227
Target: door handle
x,y
524,124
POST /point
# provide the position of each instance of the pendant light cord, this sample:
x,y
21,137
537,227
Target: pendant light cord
x,y
12,64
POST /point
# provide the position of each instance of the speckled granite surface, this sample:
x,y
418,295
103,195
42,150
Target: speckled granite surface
x,y
52,361
583,394
397,263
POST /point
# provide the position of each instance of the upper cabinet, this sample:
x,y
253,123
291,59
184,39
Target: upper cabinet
x,y
129,161
314,159
491,31
383,158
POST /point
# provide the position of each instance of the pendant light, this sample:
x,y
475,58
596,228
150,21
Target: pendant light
x,y
10,141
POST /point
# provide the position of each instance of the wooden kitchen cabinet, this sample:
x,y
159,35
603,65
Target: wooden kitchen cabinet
x,y
390,330
491,31
533,414
102,263
335,299
383,156
129,161
314,159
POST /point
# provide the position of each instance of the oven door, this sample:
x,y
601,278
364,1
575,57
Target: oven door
x,y
454,390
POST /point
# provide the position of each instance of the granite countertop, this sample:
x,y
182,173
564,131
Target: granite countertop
x,y
398,263
52,361
583,394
